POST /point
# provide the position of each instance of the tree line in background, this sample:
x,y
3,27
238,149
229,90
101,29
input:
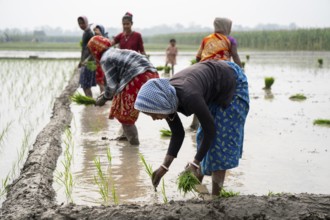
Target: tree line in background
x,y
298,39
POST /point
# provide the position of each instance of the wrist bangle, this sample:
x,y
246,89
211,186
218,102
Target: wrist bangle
x,y
194,164
166,168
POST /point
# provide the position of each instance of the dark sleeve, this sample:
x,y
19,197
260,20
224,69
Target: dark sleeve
x,y
140,44
177,135
202,112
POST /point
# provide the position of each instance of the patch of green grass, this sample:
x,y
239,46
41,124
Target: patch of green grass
x,y
298,97
325,122
187,182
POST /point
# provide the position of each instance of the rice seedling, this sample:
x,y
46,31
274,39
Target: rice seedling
x,y
109,156
166,133
82,99
114,195
165,200
4,184
193,61
270,193
187,182
247,57
167,69
65,178
102,182
324,122
226,194
4,132
160,68
269,81
298,97
243,64
320,61
148,167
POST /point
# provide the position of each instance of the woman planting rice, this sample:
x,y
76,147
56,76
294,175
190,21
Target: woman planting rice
x,y
217,93
125,71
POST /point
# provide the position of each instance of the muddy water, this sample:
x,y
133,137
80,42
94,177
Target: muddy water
x,y
283,150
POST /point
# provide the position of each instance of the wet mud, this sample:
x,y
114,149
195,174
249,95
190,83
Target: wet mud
x,y
31,195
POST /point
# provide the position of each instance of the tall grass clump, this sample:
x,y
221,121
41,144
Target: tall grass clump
x,y
269,81
65,177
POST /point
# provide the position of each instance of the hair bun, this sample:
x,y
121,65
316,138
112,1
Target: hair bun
x,y
128,14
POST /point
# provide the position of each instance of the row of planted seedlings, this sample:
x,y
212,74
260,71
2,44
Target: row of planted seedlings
x,y
29,89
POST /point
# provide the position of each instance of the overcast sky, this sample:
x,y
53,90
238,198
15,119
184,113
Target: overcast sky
x,y
31,14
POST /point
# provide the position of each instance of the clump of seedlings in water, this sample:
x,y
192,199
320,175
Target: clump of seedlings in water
x,y
298,97
187,182
167,69
243,64
247,57
269,81
325,122
82,99
320,61
226,194
65,178
102,180
166,133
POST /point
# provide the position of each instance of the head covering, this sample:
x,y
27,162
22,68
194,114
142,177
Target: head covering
x,y
84,18
157,96
97,46
222,25
128,16
102,30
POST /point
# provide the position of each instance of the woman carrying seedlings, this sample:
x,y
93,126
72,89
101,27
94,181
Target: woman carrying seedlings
x,y
217,93
125,71
87,76
129,39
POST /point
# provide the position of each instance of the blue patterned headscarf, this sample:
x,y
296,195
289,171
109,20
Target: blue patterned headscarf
x,y
157,96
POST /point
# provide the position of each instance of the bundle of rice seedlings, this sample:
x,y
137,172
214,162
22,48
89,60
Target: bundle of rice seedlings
x,y
297,97
160,68
324,122
269,81
82,99
91,65
166,132
187,182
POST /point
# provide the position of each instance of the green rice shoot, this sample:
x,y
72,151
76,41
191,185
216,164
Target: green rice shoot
x,y
148,167
81,99
187,182
325,122
166,133
298,97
